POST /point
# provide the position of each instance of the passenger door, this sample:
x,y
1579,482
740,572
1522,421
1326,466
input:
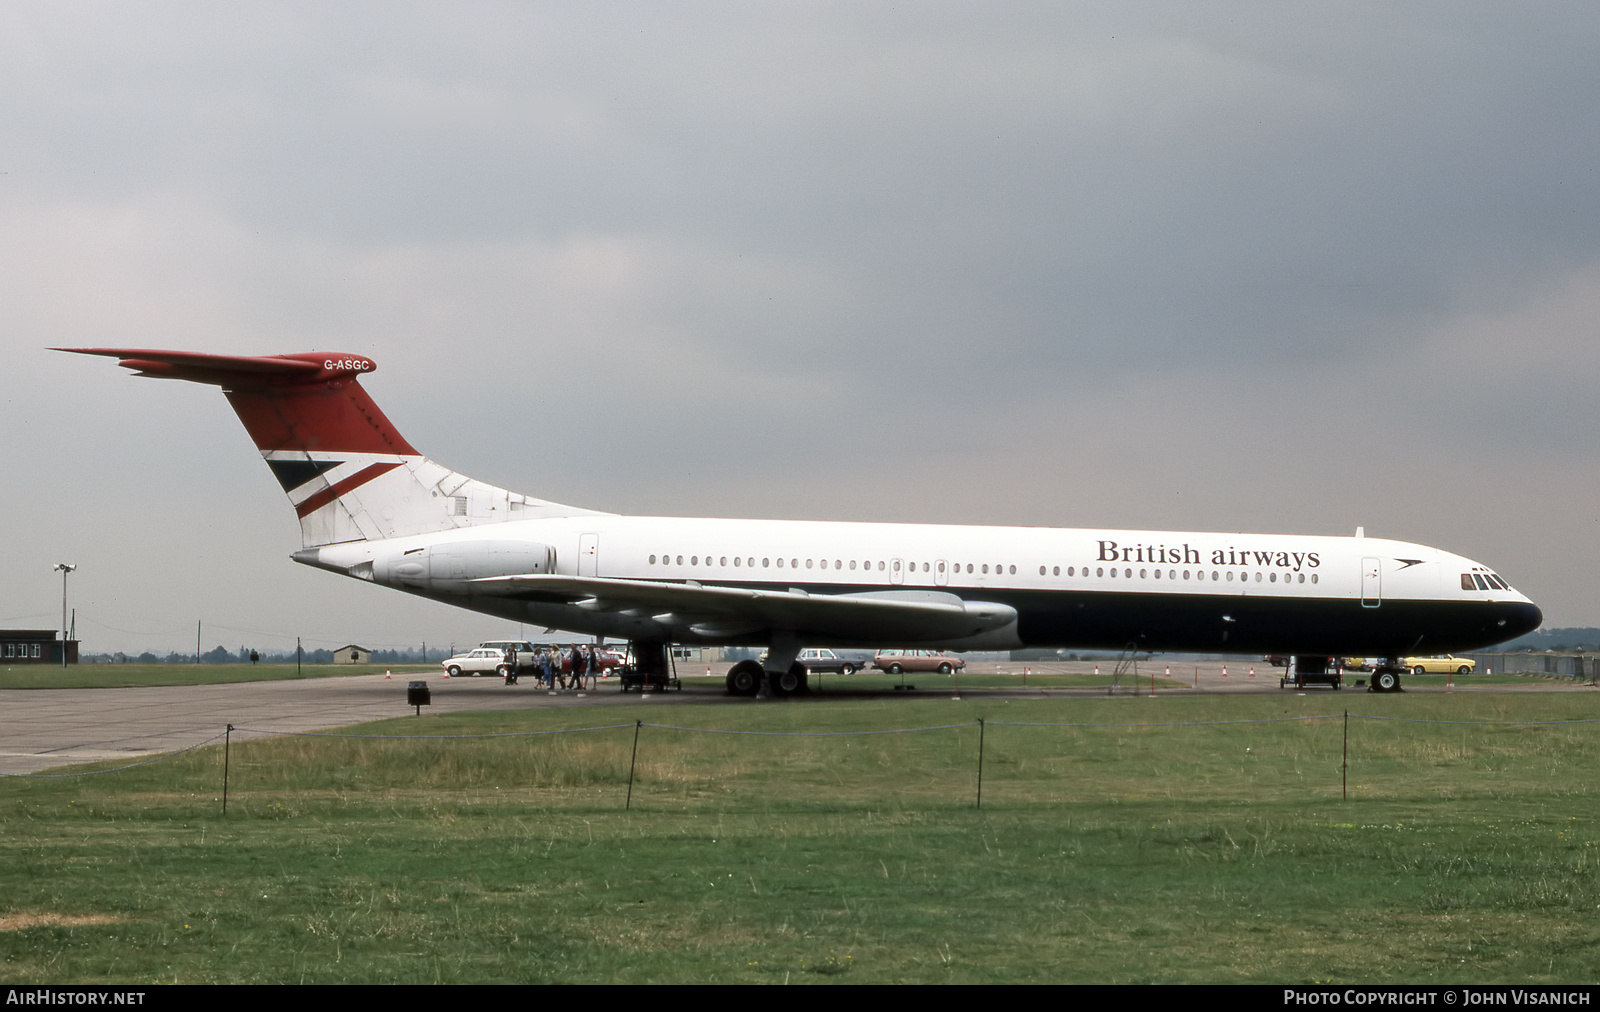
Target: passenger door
x,y
1371,583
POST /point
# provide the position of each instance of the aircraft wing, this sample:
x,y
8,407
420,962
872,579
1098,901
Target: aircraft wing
x,y
913,616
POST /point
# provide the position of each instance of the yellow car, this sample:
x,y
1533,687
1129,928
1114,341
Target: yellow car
x,y
1439,665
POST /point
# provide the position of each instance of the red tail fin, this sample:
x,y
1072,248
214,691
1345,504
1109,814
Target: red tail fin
x,y
305,402
349,475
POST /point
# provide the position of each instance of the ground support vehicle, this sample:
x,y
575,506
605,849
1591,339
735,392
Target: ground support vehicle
x,y
650,669
1304,671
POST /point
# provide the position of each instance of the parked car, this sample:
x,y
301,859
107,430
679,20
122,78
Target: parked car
x,y
896,661
481,661
822,659
1439,665
525,652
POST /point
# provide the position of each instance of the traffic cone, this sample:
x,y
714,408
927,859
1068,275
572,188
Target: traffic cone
x,y
1252,671
1224,671
386,673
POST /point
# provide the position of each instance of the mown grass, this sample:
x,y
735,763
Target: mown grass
x,y
1220,852
120,676
877,681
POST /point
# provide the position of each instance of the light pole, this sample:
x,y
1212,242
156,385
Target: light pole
x,y
64,570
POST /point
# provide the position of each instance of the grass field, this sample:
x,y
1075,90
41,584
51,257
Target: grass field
x,y
1222,853
121,676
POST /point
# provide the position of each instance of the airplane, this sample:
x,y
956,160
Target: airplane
x,y
372,508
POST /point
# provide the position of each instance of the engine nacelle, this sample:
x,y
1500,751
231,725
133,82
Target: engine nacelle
x,y
451,565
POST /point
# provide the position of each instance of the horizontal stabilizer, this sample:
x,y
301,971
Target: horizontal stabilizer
x,y
235,372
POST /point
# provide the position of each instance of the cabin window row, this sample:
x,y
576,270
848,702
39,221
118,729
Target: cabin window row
x,y
867,565
1483,581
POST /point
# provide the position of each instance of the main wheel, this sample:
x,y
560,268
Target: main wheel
x,y
454,671
848,669
945,669
895,669
1386,681
1463,670
790,682
1419,670
744,678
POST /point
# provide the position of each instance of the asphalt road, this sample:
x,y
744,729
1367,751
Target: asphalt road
x,y
44,728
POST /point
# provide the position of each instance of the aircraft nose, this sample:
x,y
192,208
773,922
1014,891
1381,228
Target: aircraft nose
x,y
1520,618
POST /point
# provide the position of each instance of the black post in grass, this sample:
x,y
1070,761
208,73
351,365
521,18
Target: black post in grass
x,y
1344,761
227,749
631,760
980,762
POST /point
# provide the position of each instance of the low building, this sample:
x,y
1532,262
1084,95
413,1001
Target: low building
x,y
34,646
352,654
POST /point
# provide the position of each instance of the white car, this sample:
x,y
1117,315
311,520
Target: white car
x,y
482,661
822,659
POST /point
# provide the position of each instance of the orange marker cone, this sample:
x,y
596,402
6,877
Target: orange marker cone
x,y
1224,671
386,673
1097,669
1252,671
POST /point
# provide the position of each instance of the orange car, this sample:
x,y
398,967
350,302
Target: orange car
x,y
896,661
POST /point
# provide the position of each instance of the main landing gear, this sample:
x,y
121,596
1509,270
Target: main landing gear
x,y
744,679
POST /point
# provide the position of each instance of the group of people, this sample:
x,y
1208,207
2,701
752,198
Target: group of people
x,y
558,667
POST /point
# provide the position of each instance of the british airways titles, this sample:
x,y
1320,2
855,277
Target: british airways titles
x,y
1164,555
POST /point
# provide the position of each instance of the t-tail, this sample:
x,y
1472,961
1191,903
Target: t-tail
x,y
349,474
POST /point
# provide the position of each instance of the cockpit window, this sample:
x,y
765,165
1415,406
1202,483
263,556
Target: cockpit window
x,y
1466,582
1482,583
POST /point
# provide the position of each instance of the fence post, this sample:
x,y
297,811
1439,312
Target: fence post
x,y
227,749
1344,761
980,762
631,760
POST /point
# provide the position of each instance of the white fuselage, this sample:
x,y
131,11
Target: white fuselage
x,y
1070,587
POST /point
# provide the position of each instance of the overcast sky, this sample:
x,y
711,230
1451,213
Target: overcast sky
x,y
1269,267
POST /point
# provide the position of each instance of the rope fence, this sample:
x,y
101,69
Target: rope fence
x,y
638,727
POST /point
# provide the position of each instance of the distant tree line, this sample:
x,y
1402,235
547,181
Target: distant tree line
x,y
246,655
1576,639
